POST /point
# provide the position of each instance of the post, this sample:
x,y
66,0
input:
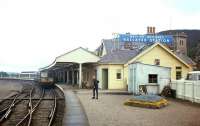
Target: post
x,y
184,90
80,75
58,74
176,89
77,77
72,76
193,93
63,76
67,79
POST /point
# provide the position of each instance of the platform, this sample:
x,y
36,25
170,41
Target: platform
x,y
74,111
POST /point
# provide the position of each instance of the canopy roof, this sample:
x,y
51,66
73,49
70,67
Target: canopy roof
x,y
78,55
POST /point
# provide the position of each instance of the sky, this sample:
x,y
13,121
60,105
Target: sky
x,y
34,32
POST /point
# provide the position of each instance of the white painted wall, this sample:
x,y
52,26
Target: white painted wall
x,y
138,75
78,55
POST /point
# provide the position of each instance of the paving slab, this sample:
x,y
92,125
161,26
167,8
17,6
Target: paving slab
x,y
109,110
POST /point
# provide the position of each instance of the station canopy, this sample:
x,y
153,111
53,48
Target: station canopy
x,y
76,56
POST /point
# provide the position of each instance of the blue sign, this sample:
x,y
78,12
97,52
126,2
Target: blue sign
x,y
145,38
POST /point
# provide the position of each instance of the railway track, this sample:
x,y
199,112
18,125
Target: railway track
x,y
34,106
53,110
7,110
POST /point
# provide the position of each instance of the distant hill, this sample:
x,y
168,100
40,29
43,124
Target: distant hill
x,y
193,42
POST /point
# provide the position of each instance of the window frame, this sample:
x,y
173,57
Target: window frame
x,y
178,75
118,71
181,42
157,62
178,70
151,80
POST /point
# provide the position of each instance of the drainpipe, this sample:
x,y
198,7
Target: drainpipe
x,y
134,80
72,76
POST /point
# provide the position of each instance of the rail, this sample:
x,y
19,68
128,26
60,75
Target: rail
x,y
6,111
32,103
32,110
53,110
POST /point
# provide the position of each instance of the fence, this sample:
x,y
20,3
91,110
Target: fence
x,y
17,78
187,90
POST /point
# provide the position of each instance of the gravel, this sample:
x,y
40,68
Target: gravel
x,y
9,88
109,110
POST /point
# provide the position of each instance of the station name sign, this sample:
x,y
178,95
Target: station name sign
x,y
145,38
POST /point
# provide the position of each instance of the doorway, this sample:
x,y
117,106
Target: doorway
x,y
104,78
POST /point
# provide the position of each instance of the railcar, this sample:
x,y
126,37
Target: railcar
x,y
45,79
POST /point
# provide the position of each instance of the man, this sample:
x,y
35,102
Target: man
x,y
95,87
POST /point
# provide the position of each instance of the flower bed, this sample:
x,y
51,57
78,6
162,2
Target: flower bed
x,y
147,101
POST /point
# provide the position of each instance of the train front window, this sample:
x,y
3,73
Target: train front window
x,y
44,74
189,77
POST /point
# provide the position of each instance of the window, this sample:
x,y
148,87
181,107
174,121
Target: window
x,y
178,72
128,45
118,74
198,77
181,42
178,75
189,77
153,78
178,68
157,61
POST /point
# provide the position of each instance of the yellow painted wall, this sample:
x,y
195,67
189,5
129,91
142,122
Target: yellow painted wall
x,y
166,60
113,83
126,75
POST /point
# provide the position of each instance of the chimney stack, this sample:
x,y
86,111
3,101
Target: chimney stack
x,y
151,30
154,30
148,30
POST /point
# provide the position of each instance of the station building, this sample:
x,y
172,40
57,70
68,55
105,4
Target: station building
x,y
114,68
113,63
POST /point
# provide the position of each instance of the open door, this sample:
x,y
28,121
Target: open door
x,y
105,78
